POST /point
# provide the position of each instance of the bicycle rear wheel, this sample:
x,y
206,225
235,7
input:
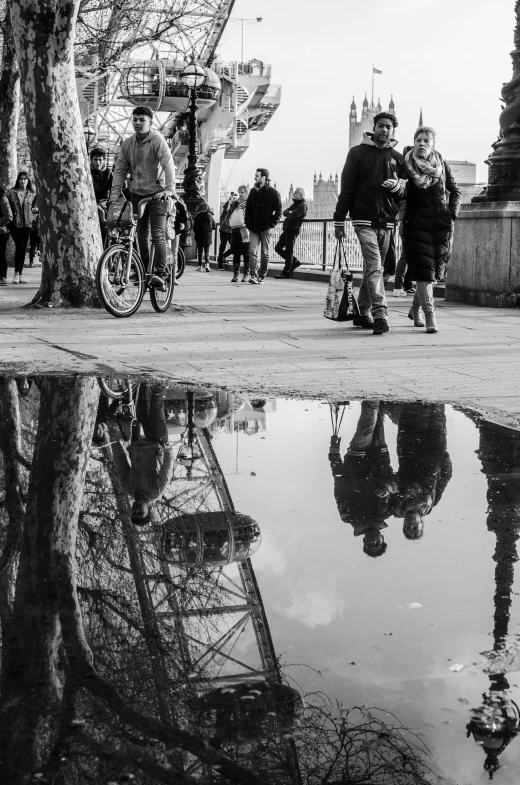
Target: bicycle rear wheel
x,y
161,300
120,299
181,263
115,387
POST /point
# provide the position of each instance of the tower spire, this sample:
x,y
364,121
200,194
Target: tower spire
x,y
420,119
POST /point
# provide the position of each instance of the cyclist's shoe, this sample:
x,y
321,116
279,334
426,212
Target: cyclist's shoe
x,y
158,283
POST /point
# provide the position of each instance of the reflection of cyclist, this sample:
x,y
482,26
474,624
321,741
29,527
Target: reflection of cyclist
x,y
144,465
149,160
102,182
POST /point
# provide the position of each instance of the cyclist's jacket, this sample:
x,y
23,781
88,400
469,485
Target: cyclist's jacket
x,y
150,164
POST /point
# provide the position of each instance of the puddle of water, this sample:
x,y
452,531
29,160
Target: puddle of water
x,y
309,588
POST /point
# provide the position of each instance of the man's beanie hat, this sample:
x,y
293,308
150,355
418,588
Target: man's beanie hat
x,y
143,110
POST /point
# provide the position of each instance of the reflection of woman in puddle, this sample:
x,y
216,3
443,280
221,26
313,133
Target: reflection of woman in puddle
x,y
144,464
360,478
424,465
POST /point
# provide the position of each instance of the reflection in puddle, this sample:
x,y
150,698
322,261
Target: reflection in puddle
x,y
151,629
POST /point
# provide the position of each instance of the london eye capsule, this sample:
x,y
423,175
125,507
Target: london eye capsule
x,y
250,710
158,85
216,538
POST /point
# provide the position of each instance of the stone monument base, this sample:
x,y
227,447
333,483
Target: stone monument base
x,y
485,263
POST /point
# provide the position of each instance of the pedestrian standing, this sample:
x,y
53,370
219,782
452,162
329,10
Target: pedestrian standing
x,y
225,230
6,217
432,205
22,198
203,227
294,216
240,236
263,211
372,205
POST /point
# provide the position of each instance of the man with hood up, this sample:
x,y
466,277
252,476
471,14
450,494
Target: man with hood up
x,y
370,196
294,216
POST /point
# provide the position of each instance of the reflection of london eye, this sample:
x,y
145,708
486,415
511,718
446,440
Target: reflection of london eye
x,y
496,722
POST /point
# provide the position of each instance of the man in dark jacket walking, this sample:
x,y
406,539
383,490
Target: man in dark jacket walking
x,y
102,182
294,216
263,211
370,196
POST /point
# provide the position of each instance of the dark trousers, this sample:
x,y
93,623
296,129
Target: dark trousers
x,y
403,279
285,248
20,235
203,250
150,412
4,239
239,248
152,223
225,238
34,244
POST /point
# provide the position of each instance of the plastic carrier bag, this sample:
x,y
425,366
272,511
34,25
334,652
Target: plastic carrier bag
x,y
341,304
119,213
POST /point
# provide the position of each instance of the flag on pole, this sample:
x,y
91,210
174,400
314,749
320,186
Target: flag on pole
x,y
376,70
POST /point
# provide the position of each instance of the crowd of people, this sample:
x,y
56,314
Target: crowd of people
x,y
19,220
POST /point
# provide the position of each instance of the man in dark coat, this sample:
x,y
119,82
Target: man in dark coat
x,y
263,211
294,216
369,194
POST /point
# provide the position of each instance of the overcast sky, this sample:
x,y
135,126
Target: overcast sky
x,y
449,56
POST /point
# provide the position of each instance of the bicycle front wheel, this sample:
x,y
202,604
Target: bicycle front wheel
x,y
181,263
120,299
161,300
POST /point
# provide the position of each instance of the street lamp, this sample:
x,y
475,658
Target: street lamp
x,y
193,76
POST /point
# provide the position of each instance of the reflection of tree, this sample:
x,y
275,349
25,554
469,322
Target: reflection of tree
x,y
104,659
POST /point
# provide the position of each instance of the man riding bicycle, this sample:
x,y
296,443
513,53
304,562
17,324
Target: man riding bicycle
x,y
152,174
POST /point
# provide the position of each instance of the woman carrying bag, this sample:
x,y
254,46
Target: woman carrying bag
x,y
22,199
239,235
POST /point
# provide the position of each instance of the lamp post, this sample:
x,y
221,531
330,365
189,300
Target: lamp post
x,y
504,161
193,76
242,21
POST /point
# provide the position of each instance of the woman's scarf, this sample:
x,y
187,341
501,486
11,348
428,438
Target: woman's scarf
x,y
241,201
424,171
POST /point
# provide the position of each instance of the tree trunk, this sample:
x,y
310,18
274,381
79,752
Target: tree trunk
x,y
71,240
9,105
31,689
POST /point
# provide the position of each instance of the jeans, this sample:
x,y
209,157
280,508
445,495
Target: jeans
x,y
402,276
423,297
285,248
20,235
259,242
370,430
4,239
239,248
150,412
374,245
153,222
225,238
203,250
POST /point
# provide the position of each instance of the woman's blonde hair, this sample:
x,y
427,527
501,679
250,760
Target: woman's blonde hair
x,y
243,188
425,129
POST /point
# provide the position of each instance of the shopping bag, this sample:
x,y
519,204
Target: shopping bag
x,y
341,304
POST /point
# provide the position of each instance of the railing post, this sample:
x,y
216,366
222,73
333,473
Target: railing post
x,y
325,246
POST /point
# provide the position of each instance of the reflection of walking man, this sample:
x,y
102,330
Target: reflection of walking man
x,y
144,465
360,477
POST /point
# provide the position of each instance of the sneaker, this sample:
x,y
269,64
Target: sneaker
x,y
235,278
283,274
245,279
199,269
411,290
261,278
399,293
158,283
387,278
380,327
363,321
253,279
3,281
21,279
207,269
16,278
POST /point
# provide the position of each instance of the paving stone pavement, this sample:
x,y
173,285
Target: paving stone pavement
x,y
273,339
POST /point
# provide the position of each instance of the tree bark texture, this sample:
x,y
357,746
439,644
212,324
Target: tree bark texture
x,y
31,689
9,105
71,241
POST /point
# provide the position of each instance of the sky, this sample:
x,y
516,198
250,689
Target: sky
x,y
449,57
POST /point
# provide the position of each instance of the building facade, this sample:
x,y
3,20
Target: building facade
x,y
324,197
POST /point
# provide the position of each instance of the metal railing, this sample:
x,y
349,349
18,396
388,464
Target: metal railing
x,y
316,243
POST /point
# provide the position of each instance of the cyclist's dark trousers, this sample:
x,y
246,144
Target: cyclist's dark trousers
x,y
20,235
285,248
150,412
153,222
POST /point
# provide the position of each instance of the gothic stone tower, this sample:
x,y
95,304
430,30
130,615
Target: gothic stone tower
x,y
366,123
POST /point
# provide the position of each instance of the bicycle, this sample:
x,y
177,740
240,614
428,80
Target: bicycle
x,y
121,279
